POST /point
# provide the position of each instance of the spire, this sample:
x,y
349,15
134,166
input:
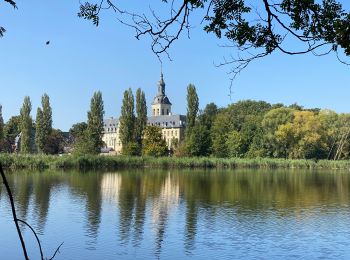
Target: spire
x,y
161,85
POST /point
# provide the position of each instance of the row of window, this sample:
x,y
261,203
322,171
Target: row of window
x,y
111,142
167,133
158,112
111,129
166,124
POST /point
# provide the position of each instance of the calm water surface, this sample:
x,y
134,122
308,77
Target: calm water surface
x,y
173,214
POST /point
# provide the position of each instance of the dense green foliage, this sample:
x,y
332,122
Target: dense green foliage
x,y
26,126
153,143
12,129
77,130
95,122
127,124
1,130
141,117
39,131
46,128
87,137
256,129
192,108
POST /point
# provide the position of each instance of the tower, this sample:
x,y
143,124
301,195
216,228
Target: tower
x,y
161,105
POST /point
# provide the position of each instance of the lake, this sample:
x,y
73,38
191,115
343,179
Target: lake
x,y
187,214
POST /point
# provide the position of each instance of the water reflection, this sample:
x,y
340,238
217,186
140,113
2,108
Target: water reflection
x,y
145,204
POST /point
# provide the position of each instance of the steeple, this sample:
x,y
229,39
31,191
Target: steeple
x,y
161,104
161,85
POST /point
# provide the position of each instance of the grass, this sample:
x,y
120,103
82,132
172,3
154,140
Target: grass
x,y
88,162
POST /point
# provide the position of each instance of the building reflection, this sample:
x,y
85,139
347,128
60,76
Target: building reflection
x,y
163,206
150,201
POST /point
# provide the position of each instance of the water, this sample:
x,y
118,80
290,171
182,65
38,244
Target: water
x,y
153,214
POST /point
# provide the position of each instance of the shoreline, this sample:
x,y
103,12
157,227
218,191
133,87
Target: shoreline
x,y
102,162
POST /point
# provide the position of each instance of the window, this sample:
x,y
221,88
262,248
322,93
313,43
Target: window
x,y
162,112
167,111
158,111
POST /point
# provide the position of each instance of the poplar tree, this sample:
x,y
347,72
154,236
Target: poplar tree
x,y
39,131
26,126
192,108
95,123
2,140
43,128
1,125
127,123
47,116
141,117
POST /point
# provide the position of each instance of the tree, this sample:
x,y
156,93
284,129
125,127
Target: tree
x,y
46,120
303,138
39,131
153,143
219,134
26,126
11,131
127,123
192,108
270,123
77,131
255,28
198,142
234,144
55,142
141,117
1,130
94,129
208,115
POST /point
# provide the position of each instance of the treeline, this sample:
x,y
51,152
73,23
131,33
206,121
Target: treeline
x,y
245,129
257,129
22,134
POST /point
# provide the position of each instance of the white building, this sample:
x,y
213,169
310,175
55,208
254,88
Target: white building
x,y
172,125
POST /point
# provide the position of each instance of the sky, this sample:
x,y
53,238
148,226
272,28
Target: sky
x,y
82,59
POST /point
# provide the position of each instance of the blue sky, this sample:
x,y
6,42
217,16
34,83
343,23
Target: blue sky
x,y
82,59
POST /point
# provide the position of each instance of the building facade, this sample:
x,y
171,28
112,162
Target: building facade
x,y
173,126
111,135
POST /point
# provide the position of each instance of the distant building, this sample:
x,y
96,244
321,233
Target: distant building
x,y
111,135
172,126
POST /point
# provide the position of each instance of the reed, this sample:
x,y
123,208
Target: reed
x,y
86,162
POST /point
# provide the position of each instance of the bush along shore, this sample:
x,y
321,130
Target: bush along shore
x,y
98,162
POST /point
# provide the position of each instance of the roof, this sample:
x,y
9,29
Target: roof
x,y
168,121
161,99
110,123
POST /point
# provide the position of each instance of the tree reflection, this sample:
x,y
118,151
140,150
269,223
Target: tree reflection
x,y
148,200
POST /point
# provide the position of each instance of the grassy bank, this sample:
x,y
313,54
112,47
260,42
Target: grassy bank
x,y
13,161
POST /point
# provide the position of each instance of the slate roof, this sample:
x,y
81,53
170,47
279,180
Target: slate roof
x,y
161,99
110,123
168,121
